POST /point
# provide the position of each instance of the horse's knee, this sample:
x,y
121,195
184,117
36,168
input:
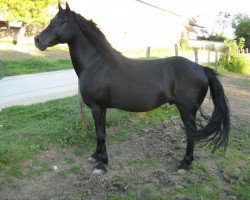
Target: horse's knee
x,y
100,137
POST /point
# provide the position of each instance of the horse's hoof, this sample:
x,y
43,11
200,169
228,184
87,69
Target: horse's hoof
x,y
181,171
92,160
97,172
184,165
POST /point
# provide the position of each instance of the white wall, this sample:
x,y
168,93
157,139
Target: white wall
x,y
129,24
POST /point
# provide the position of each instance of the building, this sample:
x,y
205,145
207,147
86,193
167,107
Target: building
x,y
130,24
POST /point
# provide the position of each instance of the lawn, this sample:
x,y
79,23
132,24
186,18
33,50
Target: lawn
x,y
28,131
27,59
36,65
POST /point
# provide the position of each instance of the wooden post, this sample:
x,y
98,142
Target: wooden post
x,y
148,53
216,60
196,54
176,49
246,50
208,58
80,105
229,55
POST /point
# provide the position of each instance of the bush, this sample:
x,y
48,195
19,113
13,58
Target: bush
x,y
237,64
215,38
230,59
183,43
241,43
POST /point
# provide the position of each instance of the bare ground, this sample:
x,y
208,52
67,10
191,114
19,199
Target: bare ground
x,y
144,165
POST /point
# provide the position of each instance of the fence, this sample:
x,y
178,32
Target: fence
x,y
243,51
196,54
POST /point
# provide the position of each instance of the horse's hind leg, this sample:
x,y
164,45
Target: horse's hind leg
x,y
188,118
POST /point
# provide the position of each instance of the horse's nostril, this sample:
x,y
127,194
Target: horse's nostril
x,y
36,39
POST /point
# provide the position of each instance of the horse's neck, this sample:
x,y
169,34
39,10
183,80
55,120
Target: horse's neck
x,y
82,54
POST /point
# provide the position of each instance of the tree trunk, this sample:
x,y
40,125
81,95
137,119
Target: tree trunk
x,y
19,35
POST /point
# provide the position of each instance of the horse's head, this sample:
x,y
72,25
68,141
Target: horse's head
x,y
60,30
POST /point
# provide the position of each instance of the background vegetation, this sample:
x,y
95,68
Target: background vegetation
x,y
231,60
27,11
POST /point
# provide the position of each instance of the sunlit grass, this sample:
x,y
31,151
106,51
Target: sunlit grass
x,y
36,65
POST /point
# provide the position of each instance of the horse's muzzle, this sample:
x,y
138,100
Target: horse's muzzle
x,y
38,43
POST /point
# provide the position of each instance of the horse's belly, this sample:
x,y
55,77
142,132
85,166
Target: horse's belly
x,y
139,102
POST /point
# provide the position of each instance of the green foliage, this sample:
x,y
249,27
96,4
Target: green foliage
x,y
237,19
216,38
183,43
27,11
241,43
242,30
238,64
230,59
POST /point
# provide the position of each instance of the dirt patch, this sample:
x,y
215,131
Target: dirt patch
x,y
144,165
237,88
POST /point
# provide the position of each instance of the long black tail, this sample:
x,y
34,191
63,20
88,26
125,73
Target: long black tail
x,y
216,131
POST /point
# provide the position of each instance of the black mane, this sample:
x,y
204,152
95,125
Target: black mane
x,y
96,37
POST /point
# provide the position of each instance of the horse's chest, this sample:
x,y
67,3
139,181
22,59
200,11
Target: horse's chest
x,y
94,92
87,91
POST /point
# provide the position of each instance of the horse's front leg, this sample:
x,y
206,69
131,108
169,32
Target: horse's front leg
x,y
100,156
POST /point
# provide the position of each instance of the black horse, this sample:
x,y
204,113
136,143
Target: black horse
x,y
110,80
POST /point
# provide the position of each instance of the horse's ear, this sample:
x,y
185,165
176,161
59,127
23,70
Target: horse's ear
x,y
59,6
67,7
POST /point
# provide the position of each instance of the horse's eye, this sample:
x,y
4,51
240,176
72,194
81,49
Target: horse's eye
x,y
61,22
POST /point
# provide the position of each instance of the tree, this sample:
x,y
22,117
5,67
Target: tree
x,y
237,19
242,30
26,11
223,20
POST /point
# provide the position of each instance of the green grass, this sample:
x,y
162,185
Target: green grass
x,y
235,165
36,65
198,191
62,174
30,66
6,41
74,169
28,130
127,196
147,162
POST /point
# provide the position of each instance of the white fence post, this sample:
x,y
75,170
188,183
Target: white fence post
x,y
196,54
176,49
148,53
216,60
208,58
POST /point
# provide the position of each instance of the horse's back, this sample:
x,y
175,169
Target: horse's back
x,y
144,85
